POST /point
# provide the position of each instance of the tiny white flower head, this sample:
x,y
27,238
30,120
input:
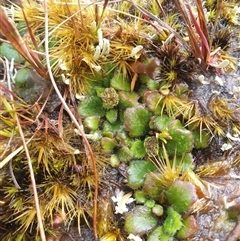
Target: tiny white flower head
x,y
136,52
65,80
219,81
106,47
100,38
221,65
235,13
122,199
233,138
202,81
62,65
134,237
76,152
97,53
80,97
226,147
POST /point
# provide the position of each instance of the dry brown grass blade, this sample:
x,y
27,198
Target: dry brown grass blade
x,y
161,8
203,27
192,35
9,30
29,28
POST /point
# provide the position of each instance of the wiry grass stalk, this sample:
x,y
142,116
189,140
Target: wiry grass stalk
x,y
73,118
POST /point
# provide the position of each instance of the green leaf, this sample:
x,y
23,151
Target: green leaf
x,y
8,51
112,115
136,121
124,154
120,82
153,185
138,149
137,171
160,123
140,196
108,144
91,106
181,142
182,195
172,223
157,210
189,228
140,221
91,122
158,235
21,77
152,99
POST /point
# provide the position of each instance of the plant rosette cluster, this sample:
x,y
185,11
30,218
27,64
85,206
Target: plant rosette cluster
x,y
157,149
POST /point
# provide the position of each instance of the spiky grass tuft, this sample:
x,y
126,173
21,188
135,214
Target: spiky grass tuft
x,y
176,65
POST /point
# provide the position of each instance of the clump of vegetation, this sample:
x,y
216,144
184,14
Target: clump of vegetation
x,y
96,88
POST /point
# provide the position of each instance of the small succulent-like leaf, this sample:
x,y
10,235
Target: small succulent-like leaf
x,y
127,99
8,51
108,144
158,235
157,210
181,142
120,82
21,77
140,196
91,106
172,222
112,115
124,154
182,195
189,228
160,123
138,149
152,99
91,122
153,185
140,221
137,171
136,120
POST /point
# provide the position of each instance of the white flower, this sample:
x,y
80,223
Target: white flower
x,y
62,65
202,81
65,80
122,199
233,138
136,52
226,147
133,237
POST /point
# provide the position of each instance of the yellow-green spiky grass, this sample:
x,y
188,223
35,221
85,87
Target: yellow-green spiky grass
x,y
203,119
81,45
176,105
169,170
214,169
223,109
172,170
177,65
